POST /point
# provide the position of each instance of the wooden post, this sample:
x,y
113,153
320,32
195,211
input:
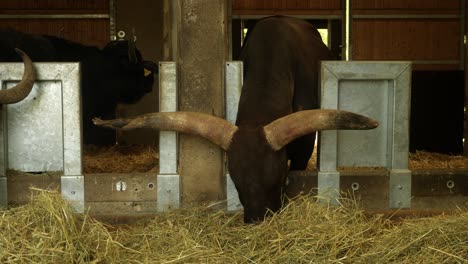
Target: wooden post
x,y
196,38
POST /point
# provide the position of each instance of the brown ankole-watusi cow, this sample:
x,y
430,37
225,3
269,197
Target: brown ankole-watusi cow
x,y
23,88
275,120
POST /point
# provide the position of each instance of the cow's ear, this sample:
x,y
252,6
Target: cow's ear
x,y
147,72
149,67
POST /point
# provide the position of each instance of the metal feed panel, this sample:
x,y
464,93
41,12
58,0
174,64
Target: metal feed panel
x,y
35,130
380,90
168,103
371,99
43,132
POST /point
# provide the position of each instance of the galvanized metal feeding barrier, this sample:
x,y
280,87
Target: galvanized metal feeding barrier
x,y
380,90
42,133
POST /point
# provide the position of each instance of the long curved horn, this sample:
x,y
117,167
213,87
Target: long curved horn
x,y
212,128
284,130
23,88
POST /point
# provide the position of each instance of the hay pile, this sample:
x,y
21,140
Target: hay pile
x,y
47,231
419,160
431,160
143,158
120,159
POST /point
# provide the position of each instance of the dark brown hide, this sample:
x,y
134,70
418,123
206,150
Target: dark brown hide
x,y
281,59
258,171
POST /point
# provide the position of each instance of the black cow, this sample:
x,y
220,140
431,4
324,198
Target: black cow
x,y
281,59
115,74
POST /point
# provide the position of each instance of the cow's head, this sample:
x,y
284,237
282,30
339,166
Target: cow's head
x,y
258,171
22,89
136,76
257,156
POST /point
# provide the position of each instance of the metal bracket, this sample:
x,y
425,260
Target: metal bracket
x,y
168,192
329,187
72,188
400,189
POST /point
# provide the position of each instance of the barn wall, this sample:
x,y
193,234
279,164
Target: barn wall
x,y
145,16
54,6
270,7
84,21
429,33
415,6
403,39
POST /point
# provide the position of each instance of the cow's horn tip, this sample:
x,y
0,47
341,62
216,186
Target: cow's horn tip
x,y
20,52
97,120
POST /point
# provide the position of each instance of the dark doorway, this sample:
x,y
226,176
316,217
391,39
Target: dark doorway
x,y
437,111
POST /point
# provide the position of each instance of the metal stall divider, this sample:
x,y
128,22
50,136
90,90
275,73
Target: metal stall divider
x,y
42,133
234,81
168,179
380,90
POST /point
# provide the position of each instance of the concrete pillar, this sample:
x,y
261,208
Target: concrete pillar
x,y
196,37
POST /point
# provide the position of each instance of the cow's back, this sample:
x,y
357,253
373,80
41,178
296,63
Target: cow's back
x,y
43,48
281,58
37,47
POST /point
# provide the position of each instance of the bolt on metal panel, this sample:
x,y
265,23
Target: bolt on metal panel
x,y
233,84
168,181
43,132
400,188
381,91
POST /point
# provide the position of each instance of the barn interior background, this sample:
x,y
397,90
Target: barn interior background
x,y
431,34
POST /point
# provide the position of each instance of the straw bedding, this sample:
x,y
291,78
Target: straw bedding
x,y
140,158
47,231
120,159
